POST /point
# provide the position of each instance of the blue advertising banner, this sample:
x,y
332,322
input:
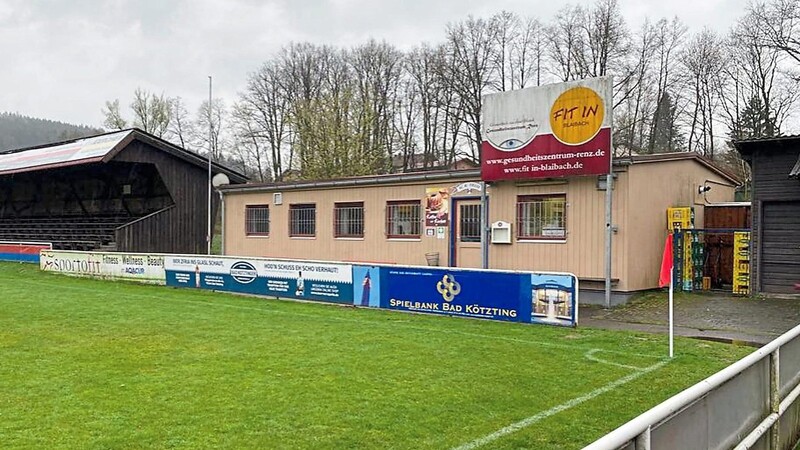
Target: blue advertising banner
x,y
367,286
470,293
547,298
305,280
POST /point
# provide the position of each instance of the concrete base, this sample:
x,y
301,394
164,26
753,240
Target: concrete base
x,y
598,297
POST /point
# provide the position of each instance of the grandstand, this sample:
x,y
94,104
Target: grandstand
x,y
121,191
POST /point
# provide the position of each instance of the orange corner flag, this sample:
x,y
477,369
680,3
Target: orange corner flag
x,y
666,263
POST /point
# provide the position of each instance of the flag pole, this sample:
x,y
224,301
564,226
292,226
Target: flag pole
x,y
668,265
671,327
210,150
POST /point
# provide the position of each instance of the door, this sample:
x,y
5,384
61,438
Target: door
x,y
467,223
780,247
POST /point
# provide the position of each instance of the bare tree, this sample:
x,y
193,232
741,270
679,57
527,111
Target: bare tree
x,y
631,125
112,116
703,61
527,54
778,23
564,43
209,127
605,39
180,127
406,120
758,95
266,102
151,113
471,50
440,124
306,68
248,143
507,30
306,72
376,69
669,38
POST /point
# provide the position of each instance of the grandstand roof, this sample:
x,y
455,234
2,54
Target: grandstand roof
x,y
94,149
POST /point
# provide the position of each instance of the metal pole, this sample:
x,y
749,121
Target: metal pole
x,y
671,322
609,226
774,396
642,442
609,183
484,226
210,149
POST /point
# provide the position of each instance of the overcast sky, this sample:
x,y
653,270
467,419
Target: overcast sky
x,y
62,59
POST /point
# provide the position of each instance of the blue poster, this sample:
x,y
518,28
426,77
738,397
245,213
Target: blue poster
x,y
367,286
480,294
553,299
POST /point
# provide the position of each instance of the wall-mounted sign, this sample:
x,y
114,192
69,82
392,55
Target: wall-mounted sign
x,y
437,207
467,188
548,131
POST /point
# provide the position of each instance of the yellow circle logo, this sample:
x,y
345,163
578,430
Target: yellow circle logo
x,y
576,115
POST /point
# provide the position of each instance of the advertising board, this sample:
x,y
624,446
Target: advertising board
x,y
328,282
148,268
741,262
548,298
22,251
555,130
486,295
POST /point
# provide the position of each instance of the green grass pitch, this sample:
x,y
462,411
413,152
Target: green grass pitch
x,y
96,364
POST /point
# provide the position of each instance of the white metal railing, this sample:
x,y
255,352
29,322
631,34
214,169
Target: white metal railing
x,y
637,433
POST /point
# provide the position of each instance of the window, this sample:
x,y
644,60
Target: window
x,y
348,220
541,217
303,220
256,220
469,223
403,219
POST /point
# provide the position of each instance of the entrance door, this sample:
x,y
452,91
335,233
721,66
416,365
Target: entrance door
x,y
467,245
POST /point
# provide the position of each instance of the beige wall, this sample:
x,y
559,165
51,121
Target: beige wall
x,y
583,249
374,247
658,186
640,198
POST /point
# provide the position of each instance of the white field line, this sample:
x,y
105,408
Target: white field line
x,y
590,356
384,323
524,423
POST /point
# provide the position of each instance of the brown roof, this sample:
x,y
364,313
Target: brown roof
x,y
679,156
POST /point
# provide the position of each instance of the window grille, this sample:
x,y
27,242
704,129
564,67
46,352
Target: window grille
x,y
403,219
303,220
469,223
256,220
541,217
348,220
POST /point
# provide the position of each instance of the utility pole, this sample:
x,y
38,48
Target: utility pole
x,y
210,151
